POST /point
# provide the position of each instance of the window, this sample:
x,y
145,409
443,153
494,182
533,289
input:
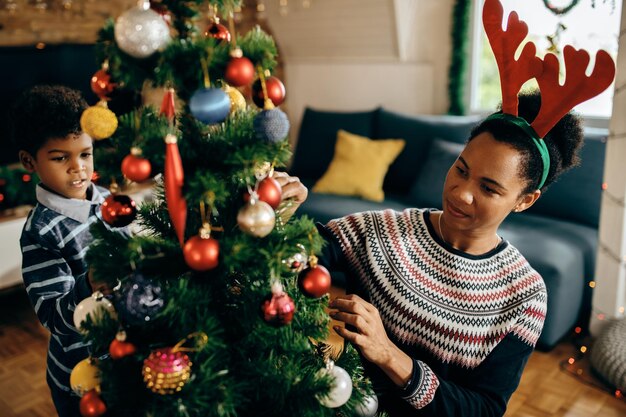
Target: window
x,y
589,24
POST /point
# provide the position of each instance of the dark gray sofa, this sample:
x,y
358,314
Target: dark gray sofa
x,y
558,235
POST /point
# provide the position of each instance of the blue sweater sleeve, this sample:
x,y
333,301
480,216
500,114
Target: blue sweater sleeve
x,y
51,287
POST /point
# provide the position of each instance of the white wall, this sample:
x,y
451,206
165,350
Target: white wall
x,y
359,54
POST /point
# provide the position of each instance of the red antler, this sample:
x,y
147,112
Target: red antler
x,y
513,73
557,100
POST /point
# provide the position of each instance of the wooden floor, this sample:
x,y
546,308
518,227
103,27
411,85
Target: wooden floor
x,y
545,391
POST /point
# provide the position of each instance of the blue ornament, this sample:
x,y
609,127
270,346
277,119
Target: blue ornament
x,y
271,125
210,105
139,300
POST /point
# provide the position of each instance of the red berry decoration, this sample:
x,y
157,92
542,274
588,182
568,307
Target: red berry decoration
x,y
91,405
275,92
118,210
136,168
239,71
120,348
277,309
314,281
101,84
201,252
217,31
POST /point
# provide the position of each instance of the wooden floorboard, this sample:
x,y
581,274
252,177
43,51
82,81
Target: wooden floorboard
x,y
546,390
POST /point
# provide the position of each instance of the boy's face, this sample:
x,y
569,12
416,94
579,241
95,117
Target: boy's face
x,y
64,165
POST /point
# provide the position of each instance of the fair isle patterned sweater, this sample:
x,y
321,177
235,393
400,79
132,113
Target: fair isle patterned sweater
x,y
469,322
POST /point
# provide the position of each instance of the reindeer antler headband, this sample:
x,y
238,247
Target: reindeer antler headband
x,y
556,100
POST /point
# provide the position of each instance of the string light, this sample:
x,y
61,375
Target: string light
x,y
592,284
583,349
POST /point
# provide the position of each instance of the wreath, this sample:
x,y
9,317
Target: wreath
x,y
560,10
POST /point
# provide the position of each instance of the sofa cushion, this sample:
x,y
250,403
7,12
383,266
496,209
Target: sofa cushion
x,y
359,166
427,190
419,132
317,136
577,194
325,207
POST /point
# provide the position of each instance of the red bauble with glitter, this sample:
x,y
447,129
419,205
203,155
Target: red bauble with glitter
x,y
275,91
118,210
120,349
278,308
314,282
91,405
136,168
101,84
239,71
201,253
218,31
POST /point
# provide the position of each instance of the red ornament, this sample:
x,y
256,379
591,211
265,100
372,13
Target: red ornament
x,y
26,178
118,210
218,31
174,180
275,92
95,176
269,190
101,84
136,168
314,282
239,71
201,253
120,349
91,405
277,308
162,10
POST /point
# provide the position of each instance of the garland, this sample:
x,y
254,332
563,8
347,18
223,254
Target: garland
x,y
560,10
458,62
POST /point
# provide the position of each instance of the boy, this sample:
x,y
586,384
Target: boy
x,y
55,238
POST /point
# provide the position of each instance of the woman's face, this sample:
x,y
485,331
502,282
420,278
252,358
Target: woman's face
x,y
484,185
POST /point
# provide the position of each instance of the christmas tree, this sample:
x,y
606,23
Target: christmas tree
x,y
220,307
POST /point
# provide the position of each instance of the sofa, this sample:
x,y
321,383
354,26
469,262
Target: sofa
x,y
558,235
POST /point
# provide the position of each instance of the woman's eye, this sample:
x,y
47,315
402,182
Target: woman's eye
x,y
460,170
489,189
86,155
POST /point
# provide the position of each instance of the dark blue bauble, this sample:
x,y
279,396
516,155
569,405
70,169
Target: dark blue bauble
x,y
210,105
271,125
139,300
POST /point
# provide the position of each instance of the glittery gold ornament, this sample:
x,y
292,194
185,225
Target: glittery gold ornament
x,y
166,371
85,377
98,121
237,101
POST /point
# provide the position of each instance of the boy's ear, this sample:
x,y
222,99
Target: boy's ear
x,y
27,160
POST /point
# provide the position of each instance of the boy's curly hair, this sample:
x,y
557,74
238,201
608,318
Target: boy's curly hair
x,y
45,112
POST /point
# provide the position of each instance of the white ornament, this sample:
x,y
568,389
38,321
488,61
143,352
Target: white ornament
x,y
141,31
91,305
341,388
256,218
368,407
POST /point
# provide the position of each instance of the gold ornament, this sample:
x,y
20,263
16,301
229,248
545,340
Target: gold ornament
x,y
98,121
237,101
85,377
256,218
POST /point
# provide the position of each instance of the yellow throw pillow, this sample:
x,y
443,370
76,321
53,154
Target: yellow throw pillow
x,y
359,166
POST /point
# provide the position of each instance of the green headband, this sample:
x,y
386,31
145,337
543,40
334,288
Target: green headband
x,y
528,129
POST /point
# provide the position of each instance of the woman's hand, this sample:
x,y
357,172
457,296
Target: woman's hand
x,y
292,190
370,337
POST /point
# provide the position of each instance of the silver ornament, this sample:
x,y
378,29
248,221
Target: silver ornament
x,y
141,31
256,218
341,388
368,407
91,305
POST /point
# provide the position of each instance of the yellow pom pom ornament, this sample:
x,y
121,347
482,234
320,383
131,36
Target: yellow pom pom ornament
x,y
98,121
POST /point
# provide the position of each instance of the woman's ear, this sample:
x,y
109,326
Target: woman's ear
x,y
527,201
27,160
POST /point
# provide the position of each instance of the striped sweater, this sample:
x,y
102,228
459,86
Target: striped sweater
x,y
469,322
54,241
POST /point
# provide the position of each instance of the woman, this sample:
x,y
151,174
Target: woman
x,y
444,311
